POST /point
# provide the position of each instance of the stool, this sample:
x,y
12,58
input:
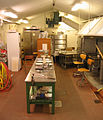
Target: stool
x,y
81,82
79,63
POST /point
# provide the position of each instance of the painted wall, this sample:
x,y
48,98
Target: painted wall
x,y
4,29
72,39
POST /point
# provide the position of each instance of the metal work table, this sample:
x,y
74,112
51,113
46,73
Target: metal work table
x,y
67,58
45,77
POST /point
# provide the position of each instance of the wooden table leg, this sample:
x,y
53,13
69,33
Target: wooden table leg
x,y
27,97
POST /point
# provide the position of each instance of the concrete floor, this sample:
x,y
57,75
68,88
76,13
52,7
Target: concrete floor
x,y
77,103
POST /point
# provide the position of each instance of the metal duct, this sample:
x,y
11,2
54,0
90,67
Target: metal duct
x,y
70,23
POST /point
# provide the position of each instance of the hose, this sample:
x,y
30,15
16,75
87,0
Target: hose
x,y
8,81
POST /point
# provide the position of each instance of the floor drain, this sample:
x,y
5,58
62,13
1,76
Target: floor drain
x,y
57,104
97,101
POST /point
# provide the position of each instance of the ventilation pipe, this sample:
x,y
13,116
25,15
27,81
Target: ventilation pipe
x,y
70,23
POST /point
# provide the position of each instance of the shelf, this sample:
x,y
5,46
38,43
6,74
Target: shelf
x,y
45,101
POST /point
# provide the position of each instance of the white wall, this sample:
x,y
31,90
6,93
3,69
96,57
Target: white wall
x,y
72,39
3,30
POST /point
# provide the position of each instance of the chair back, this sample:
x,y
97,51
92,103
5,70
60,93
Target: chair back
x,y
90,61
83,56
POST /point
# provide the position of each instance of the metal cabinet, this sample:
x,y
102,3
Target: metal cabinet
x,y
30,41
87,43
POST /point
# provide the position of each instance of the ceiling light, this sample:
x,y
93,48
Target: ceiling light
x,y
8,14
7,20
23,21
4,19
76,7
82,5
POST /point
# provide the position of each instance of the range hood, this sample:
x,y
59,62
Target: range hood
x,y
94,27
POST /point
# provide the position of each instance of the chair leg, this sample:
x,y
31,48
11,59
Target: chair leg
x,y
77,74
81,82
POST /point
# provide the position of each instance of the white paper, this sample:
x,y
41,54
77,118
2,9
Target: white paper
x,y
44,46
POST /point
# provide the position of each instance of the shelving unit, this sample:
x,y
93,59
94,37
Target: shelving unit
x,y
60,42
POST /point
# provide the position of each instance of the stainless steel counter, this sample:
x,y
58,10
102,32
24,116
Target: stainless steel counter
x,y
47,74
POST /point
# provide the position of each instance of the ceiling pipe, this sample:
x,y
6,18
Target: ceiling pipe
x,y
70,23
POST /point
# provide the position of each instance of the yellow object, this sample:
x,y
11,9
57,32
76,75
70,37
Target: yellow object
x,y
3,75
90,61
83,70
81,82
99,51
35,53
99,89
78,63
1,82
83,56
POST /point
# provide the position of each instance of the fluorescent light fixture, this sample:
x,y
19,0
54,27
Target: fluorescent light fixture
x,y
5,19
23,21
76,7
8,14
82,5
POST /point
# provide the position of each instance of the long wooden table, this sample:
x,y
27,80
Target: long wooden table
x,y
45,77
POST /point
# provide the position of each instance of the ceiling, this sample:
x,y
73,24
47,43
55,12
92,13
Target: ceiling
x,y
25,8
